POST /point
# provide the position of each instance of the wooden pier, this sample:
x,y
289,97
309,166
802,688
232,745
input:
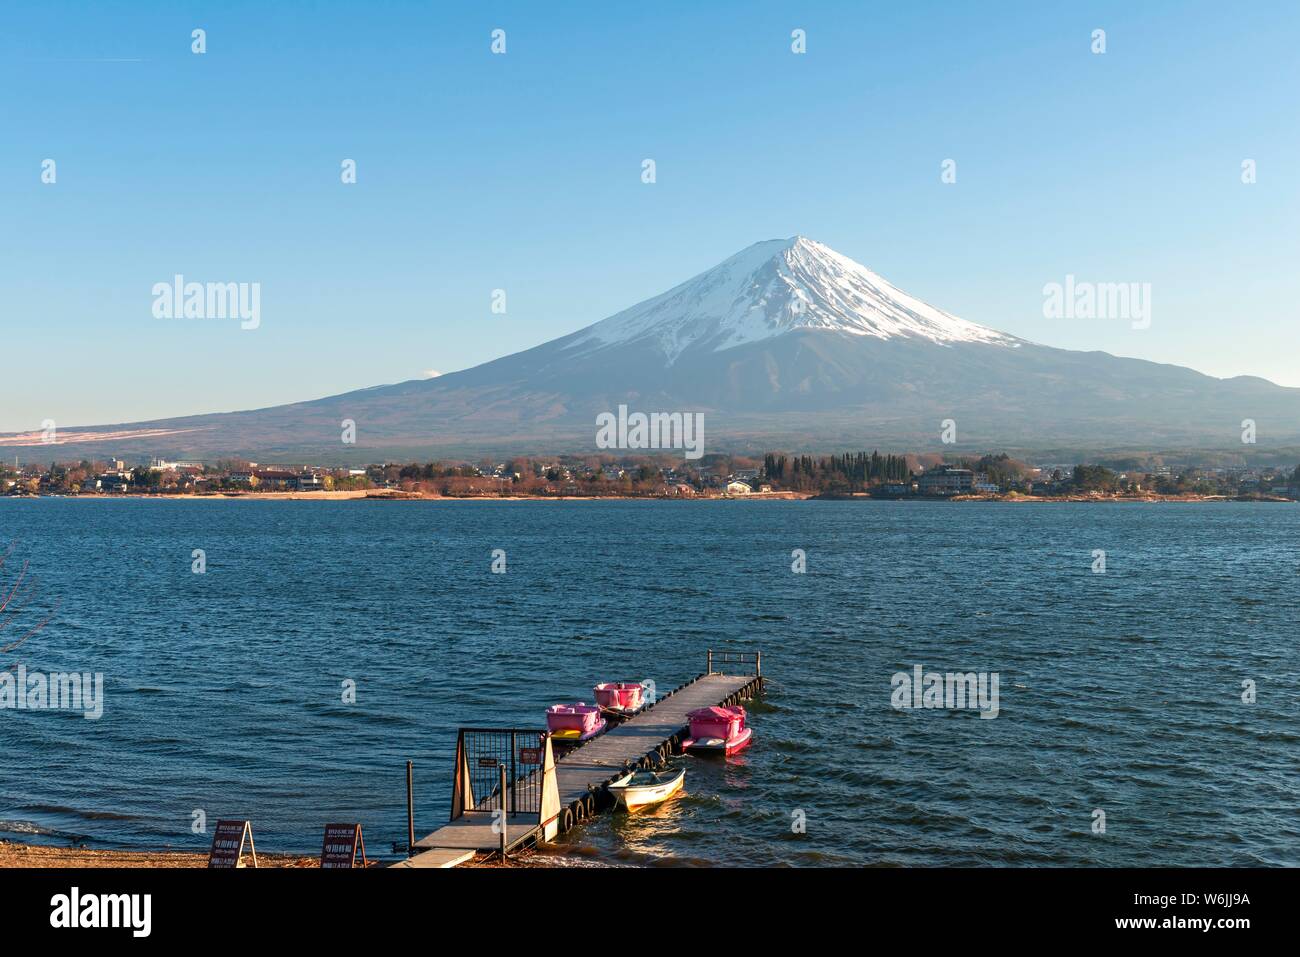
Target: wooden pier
x,y
545,796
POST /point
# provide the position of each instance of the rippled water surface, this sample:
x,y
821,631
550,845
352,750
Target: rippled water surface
x,y
1119,692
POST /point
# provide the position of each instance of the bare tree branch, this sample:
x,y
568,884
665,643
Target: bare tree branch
x,y
22,573
19,596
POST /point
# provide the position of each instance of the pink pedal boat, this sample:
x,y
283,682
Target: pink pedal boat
x,y
717,731
572,723
620,699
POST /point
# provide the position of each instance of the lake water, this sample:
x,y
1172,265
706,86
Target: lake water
x,y
1118,692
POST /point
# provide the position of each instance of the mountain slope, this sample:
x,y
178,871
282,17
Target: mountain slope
x,y
787,344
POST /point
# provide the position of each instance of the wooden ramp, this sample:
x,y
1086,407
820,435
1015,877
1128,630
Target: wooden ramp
x,y
537,808
439,857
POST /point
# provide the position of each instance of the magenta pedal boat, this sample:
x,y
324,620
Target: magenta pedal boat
x,y
717,730
573,723
620,699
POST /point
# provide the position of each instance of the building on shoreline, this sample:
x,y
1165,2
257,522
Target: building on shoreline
x,y
946,481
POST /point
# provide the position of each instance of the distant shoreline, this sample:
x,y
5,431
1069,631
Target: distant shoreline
x,y
380,496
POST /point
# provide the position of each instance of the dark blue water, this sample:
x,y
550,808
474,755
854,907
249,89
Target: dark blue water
x,y
1119,692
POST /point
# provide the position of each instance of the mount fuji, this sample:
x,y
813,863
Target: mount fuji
x,y
774,288
787,344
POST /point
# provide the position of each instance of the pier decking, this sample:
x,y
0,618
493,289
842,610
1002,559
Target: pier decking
x,y
560,794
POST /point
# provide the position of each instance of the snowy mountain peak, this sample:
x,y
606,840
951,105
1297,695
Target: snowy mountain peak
x,y
775,287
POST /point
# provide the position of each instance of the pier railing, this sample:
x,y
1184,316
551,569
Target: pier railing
x,y
722,658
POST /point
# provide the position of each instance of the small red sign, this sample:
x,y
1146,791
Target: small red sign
x,y
530,755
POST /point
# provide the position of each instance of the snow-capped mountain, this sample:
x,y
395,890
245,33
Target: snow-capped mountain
x,y
787,344
775,287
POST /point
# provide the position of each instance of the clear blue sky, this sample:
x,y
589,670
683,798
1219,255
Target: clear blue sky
x,y
522,172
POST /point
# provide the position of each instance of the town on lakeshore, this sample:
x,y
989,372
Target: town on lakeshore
x,y
772,475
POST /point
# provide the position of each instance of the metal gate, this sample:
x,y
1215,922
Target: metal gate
x,y
480,755
749,662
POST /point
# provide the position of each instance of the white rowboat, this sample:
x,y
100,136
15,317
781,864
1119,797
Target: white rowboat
x,y
643,788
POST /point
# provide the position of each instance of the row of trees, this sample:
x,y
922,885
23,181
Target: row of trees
x,y
850,471
519,477
1099,478
1002,470
1095,478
